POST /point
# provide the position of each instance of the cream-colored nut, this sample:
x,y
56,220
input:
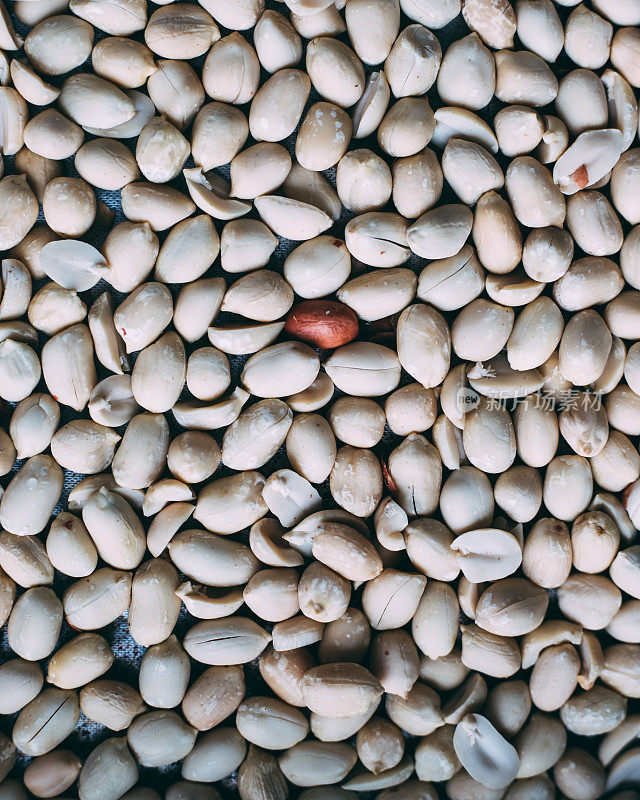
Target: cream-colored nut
x,y
164,674
624,178
518,491
434,626
417,183
161,150
523,77
416,471
487,554
372,29
485,753
379,294
316,396
212,559
277,106
219,131
434,15
228,505
488,437
364,369
547,537
363,181
466,500
537,202
42,44
210,193
29,499
34,625
19,370
411,408
467,74
208,374
21,681
311,447
180,31
160,206
318,267
33,424
193,456
144,109
143,315
18,210
125,62
198,302
625,570
588,281
587,38
95,102
39,171
24,560
584,348
215,756
290,497
356,482
323,137
371,107
496,234
141,456
69,546
460,123
413,62
106,164
313,763
620,315
428,547
567,476
594,712
593,224
395,663
539,28
51,135
407,127
280,370
554,140
46,721
519,130
481,330
121,18
581,102
110,703
511,607
617,464
591,600
494,22
176,91
112,402
159,373
357,421
31,86
231,72
535,335
15,115
335,71
380,745
115,529
323,594
154,587
623,108
84,446
441,232
424,344
277,44
488,653
69,206
624,49
613,370
584,426
230,641
124,241
109,346
470,170
418,712
292,219
258,170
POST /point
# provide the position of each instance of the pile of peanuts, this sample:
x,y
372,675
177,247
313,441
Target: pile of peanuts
x,y
347,387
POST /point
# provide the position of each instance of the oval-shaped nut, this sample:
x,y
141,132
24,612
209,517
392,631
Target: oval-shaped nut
x,y
52,773
335,71
487,554
546,537
311,447
106,163
364,369
212,560
125,62
109,771
234,640
318,267
246,244
42,44
79,661
31,496
46,721
18,210
34,624
407,127
256,435
23,558
591,600
484,752
271,723
160,737
427,543
110,703
215,694
277,44
278,105
52,135
327,687
346,551
215,755
109,591
33,424
467,74
539,744
584,348
511,607
21,682
313,763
